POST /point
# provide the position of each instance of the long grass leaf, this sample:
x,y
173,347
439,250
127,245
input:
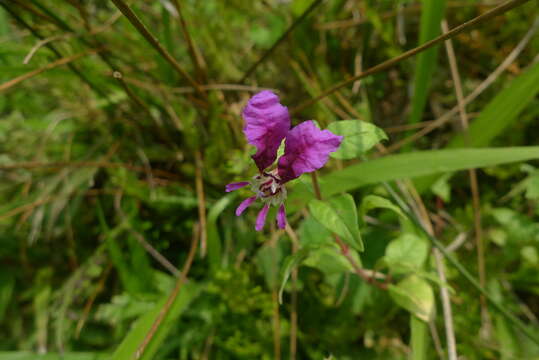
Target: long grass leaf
x,y
412,165
128,348
431,16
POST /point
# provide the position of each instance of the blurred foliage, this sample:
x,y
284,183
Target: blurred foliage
x,y
100,159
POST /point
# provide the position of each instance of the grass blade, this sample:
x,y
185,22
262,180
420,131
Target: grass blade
x,y
152,40
130,345
412,165
431,15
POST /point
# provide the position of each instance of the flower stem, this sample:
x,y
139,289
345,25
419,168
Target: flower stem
x,y
316,187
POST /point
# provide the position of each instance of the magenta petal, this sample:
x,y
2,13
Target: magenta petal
x,y
244,205
235,186
307,149
261,219
281,217
266,125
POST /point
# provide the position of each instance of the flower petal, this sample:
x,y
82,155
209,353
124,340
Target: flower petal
x,y
266,125
235,186
307,149
281,217
261,219
244,205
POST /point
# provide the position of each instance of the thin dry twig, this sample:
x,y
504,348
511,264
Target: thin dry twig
x,y
406,127
173,295
141,240
391,62
294,298
55,51
188,90
296,22
30,8
103,164
423,215
473,95
63,61
40,44
473,179
413,8
43,42
152,40
199,184
46,199
195,56
276,325
88,306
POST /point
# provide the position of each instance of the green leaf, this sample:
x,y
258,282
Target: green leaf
x,y
290,263
359,137
7,285
410,165
509,348
532,187
415,295
299,6
214,240
329,259
324,254
377,202
269,259
339,215
432,13
130,344
419,339
4,24
406,253
311,233
442,188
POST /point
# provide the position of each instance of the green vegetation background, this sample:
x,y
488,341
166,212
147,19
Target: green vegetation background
x,y
112,165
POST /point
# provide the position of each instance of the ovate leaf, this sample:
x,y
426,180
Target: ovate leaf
x,y
329,260
339,215
359,137
371,202
290,263
415,295
268,259
406,253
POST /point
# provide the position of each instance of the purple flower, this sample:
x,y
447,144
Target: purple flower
x,y
307,149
